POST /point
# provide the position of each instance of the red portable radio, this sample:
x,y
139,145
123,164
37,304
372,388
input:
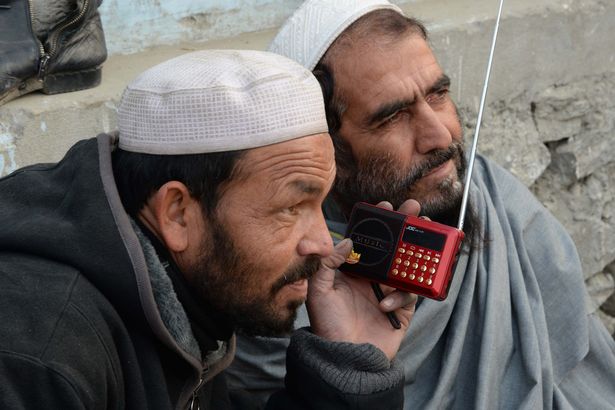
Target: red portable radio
x,y
402,251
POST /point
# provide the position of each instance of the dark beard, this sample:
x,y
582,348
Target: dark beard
x,y
378,178
225,277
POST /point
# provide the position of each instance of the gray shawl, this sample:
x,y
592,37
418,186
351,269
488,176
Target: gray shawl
x,y
514,333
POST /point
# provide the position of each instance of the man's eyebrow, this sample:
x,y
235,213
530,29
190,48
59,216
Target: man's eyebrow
x,y
306,187
386,110
443,82
389,109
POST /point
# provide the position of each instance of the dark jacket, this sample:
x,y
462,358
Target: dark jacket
x,y
89,318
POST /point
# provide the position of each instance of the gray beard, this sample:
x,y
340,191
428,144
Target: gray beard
x,y
378,178
364,183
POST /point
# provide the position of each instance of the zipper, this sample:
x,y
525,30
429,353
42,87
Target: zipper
x,y
55,36
46,55
43,56
194,403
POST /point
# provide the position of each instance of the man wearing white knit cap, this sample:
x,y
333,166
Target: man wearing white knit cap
x,y
514,331
127,266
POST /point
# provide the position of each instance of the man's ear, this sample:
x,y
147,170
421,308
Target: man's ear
x,y
172,213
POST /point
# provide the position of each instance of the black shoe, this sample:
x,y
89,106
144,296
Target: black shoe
x,y
39,51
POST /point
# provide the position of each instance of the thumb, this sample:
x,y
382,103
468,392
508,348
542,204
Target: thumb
x,y
339,254
329,264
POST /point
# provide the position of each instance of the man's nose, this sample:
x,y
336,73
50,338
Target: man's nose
x,y
317,239
430,130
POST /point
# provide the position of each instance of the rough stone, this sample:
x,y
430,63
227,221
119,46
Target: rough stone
x,y
559,113
509,137
586,209
609,322
600,288
609,306
581,116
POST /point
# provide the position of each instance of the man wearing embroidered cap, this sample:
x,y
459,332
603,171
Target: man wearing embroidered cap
x,y
127,267
514,331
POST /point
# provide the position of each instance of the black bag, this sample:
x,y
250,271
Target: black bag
x,y
55,46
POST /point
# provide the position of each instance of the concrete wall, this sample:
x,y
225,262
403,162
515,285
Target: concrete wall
x,y
550,117
135,25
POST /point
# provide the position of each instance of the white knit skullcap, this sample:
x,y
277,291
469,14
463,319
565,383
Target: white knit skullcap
x,y
219,100
314,26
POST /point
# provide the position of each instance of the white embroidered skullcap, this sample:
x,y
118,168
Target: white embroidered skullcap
x,y
314,26
219,100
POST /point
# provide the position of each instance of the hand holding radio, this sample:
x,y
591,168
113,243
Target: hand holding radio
x,y
343,308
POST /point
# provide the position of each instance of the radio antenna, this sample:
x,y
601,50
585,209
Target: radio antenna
x,y
466,188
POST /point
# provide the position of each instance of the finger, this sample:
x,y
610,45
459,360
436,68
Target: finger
x,y
337,257
324,279
410,207
385,205
396,300
387,289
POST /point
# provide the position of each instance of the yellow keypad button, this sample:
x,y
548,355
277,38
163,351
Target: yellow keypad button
x,y
418,255
415,265
411,276
426,257
429,282
432,270
403,274
407,263
423,268
435,260
410,253
402,250
395,271
420,279
398,261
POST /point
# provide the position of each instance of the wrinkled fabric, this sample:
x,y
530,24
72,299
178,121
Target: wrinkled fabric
x,y
514,332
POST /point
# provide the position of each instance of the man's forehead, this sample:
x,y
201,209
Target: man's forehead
x,y
313,150
365,49
304,166
359,67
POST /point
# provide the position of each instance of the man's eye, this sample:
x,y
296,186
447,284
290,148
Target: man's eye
x,y
292,210
392,119
438,96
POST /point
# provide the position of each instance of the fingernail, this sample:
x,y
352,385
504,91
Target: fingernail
x,y
344,242
386,303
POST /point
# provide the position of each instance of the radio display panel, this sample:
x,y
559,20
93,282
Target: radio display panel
x,y
425,239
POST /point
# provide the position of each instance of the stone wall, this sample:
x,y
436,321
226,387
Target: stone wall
x,y
576,122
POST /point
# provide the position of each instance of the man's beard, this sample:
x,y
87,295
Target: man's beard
x,y
228,279
378,178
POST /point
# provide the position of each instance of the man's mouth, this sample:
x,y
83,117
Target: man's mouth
x,y
299,288
298,276
440,169
299,284
436,164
